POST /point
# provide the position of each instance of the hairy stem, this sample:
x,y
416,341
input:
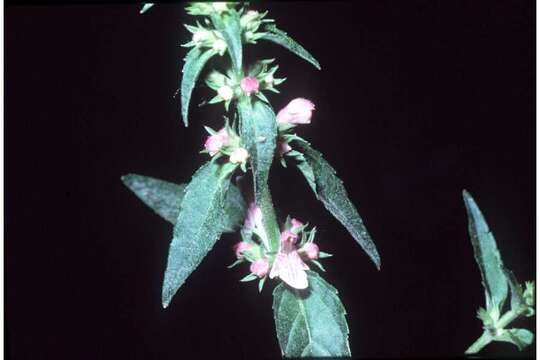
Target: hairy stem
x,y
479,343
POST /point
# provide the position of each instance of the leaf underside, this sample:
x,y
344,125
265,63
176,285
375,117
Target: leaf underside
x,y
280,37
486,254
164,198
196,230
194,64
258,131
310,322
329,189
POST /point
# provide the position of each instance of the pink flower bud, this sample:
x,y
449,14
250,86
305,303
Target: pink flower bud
x,y
240,247
249,85
259,267
310,250
215,142
298,111
283,147
296,224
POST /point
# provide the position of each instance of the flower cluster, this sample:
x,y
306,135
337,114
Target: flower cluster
x,y
296,249
231,86
226,142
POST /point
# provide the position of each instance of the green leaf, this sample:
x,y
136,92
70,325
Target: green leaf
x,y
517,301
228,24
487,255
329,189
194,63
146,7
258,132
310,322
519,337
164,198
280,37
197,228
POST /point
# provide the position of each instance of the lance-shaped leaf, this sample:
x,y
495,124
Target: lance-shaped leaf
x,y
310,322
280,37
329,189
146,7
197,228
519,337
487,255
228,24
194,63
258,132
165,198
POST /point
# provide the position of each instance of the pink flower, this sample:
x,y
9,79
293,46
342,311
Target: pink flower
x,y
249,85
283,147
241,247
288,239
259,267
296,224
310,250
288,265
215,142
253,216
298,111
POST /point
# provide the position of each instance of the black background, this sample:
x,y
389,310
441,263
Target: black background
x,y
416,101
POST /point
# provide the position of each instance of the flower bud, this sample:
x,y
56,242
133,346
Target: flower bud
x,y
249,85
298,111
200,36
239,156
283,147
241,247
215,142
220,46
296,225
269,79
259,267
310,250
226,92
248,18
219,6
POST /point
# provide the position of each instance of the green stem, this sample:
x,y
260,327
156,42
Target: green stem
x,y
486,337
507,319
479,344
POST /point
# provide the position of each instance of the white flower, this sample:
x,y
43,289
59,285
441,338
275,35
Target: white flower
x,y
220,46
226,92
269,79
200,36
239,156
288,265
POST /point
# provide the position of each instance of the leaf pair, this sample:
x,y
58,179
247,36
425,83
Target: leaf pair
x,y
208,207
329,189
